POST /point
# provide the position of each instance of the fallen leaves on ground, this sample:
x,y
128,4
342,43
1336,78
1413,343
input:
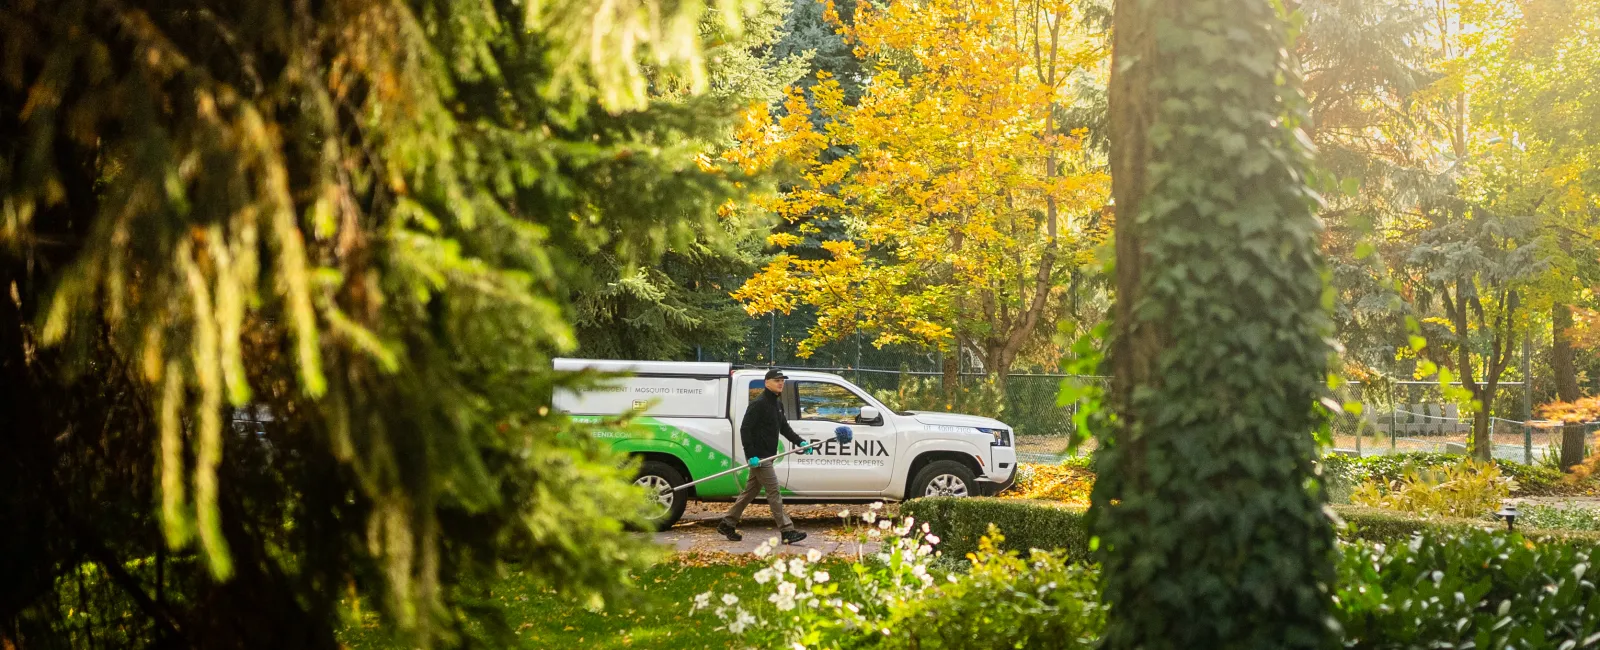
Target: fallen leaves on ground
x,y
1054,482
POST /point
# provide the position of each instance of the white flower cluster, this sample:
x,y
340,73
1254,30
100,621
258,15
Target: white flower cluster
x,y
804,596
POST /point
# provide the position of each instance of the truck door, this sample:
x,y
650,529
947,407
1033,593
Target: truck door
x,y
861,467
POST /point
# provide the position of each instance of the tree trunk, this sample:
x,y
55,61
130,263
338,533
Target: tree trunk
x,y
1218,351
1572,438
1482,445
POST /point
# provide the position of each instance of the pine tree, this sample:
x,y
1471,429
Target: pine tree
x,y
673,308
362,217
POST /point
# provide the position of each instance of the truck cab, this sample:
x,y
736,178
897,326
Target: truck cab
x,y
689,415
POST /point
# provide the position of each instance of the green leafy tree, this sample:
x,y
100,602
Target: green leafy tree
x,y
672,308
1210,522
364,216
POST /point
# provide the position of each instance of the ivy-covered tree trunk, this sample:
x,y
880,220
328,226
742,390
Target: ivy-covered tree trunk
x,y
1210,535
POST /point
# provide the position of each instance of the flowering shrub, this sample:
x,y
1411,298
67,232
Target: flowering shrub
x,y
1046,601
809,608
893,598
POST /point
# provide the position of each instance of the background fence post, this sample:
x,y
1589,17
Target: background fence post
x,y
1394,414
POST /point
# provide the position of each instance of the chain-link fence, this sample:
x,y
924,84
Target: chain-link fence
x,y
1410,416
1395,416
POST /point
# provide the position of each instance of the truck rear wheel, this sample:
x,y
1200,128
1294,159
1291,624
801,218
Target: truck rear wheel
x,y
666,509
944,478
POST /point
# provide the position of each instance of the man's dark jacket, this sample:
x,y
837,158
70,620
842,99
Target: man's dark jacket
x,y
763,421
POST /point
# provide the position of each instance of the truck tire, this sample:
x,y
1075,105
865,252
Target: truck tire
x,y
666,511
944,478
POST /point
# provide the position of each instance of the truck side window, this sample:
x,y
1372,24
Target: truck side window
x,y
825,401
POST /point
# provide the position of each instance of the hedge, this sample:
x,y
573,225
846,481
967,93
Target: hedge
x,y
960,522
1026,524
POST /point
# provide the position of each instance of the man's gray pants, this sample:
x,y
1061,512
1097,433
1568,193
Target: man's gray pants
x,y
762,477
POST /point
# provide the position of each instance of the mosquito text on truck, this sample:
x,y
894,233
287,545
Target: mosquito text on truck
x,y
688,430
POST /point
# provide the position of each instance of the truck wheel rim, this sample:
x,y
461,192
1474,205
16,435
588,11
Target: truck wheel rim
x,y
662,490
946,485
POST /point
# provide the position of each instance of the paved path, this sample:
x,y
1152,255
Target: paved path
x,y
697,531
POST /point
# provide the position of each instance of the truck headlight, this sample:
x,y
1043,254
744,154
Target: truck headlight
x,y
1002,437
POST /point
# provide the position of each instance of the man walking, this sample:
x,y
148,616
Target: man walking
x,y
763,421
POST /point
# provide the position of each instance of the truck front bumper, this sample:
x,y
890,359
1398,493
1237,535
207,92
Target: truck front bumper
x,y
987,488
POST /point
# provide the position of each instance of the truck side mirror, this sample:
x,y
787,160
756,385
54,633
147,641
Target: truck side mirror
x,y
869,415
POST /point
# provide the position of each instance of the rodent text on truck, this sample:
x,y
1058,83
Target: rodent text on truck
x,y
690,422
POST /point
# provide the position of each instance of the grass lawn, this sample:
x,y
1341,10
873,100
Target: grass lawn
x,y
660,617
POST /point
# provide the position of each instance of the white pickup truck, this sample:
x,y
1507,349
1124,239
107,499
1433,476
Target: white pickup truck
x,y
690,422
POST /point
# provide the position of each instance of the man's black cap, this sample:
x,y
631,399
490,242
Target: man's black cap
x,y
775,373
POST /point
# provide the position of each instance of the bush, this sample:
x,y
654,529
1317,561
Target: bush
x,y
1467,589
1538,480
961,522
1391,527
895,599
1046,601
1464,488
1342,473
1560,517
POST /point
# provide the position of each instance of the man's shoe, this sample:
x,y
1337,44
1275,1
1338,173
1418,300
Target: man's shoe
x,y
729,531
793,536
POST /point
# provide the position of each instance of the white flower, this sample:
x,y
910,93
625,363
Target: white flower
x,y
740,622
702,601
869,516
779,567
876,505
933,539
820,576
797,567
813,555
924,550
854,609
951,577
763,550
763,576
729,599
925,528
784,599
884,524
927,580
844,514
916,570
873,533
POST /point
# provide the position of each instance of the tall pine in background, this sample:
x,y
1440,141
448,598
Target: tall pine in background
x,y
675,307
363,215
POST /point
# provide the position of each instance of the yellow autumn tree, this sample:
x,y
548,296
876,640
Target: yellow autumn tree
x,y
962,199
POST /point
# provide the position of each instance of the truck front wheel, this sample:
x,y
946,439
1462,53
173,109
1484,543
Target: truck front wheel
x,y
667,507
944,478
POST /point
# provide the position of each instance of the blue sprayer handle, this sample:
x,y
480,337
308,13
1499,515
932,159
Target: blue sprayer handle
x,y
755,462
